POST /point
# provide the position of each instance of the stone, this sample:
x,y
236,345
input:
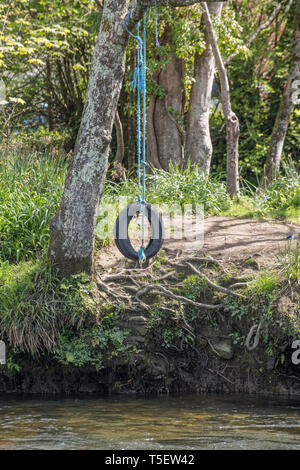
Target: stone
x,y
138,325
135,339
223,348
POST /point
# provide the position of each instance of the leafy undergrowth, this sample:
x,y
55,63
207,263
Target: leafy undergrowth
x,y
279,200
177,307
61,318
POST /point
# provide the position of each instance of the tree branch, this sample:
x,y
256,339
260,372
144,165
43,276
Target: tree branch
x,y
263,26
137,7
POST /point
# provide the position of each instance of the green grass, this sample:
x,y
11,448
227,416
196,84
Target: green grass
x,y
40,313
36,306
280,200
30,189
65,319
188,186
290,263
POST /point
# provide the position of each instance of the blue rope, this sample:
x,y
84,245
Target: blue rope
x,y
142,256
139,82
156,27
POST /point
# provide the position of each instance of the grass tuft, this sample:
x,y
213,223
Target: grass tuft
x,y
36,306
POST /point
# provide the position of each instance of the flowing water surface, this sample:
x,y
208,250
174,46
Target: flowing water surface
x,y
184,422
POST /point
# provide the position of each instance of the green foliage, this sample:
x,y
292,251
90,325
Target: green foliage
x,y
36,306
257,78
290,263
282,193
30,189
192,287
236,309
168,338
265,285
187,186
280,199
42,141
93,345
45,55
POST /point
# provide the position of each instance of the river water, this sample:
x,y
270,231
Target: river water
x,y
186,422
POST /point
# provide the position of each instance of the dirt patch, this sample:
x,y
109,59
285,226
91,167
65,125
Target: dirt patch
x,y
226,237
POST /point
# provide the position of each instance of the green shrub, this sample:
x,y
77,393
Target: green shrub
x,y
93,345
290,263
282,194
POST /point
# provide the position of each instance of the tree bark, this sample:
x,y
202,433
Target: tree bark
x,y
232,122
152,145
164,117
290,96
198,141
131,121
73,227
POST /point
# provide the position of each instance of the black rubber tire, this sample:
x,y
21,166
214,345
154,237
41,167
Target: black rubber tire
x,y
121,231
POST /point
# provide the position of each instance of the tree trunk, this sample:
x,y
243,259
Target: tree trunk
x,y
232,122
73,227
165,127
152,145
290,96
198,142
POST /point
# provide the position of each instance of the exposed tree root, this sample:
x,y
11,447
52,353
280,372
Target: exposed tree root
x,y
130,285
167,293
213,285
254,328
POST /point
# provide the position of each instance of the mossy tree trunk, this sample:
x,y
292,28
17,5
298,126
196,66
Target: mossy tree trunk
x,y
73,227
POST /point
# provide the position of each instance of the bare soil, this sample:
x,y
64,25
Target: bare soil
x,y
224,237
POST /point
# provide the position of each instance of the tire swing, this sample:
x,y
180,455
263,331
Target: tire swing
x,y
121,236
